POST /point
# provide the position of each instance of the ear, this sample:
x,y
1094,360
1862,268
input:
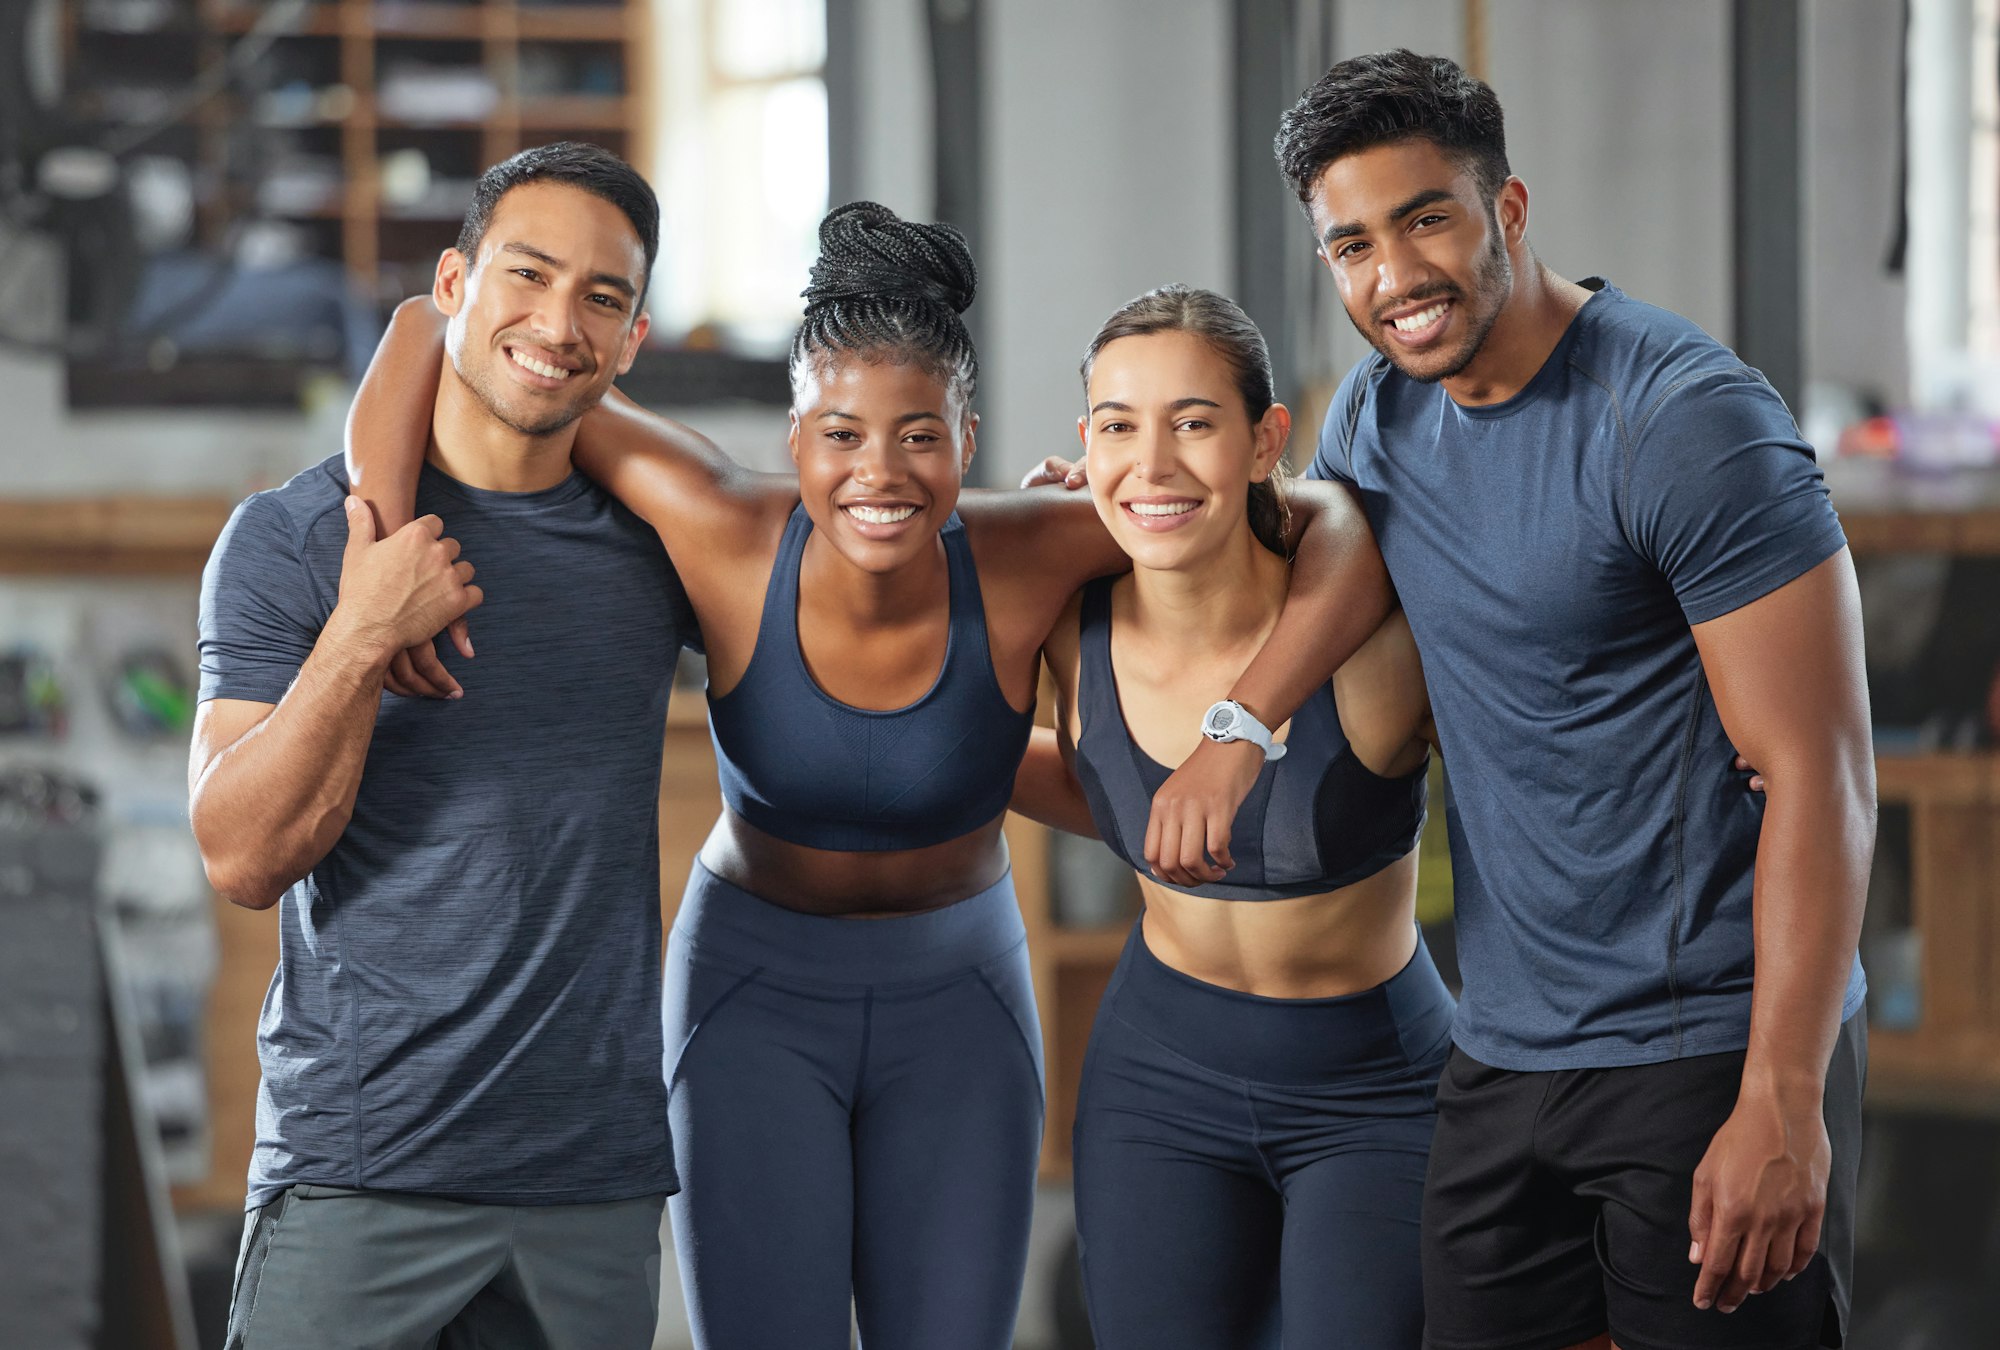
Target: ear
x,y
1510,205
449,287
1273,431
971,443
792,438
632,341
1083,432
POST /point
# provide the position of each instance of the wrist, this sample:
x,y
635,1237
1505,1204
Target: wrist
x,y
356,645
1787,1086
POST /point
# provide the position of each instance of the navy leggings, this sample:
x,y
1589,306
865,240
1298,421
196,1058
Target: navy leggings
x,y
1250,1171
857,1115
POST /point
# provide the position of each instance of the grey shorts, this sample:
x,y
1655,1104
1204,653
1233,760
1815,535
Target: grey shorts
x,y
327,1268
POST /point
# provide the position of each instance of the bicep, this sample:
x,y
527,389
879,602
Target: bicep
x,y
1050,537
1384,708
1786,672
675,479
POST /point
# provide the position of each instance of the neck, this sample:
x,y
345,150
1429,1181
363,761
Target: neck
x,y
870,599
1539,309
476,448
1220,603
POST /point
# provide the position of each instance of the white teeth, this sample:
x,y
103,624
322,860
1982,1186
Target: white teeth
x,y
881,515
1421,320
1161,508
530,363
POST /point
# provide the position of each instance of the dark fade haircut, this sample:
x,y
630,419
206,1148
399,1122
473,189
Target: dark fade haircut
x,y
890,290
573,164
1385,97
1232,335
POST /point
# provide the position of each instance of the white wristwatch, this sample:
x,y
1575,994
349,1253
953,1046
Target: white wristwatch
x,y
1231,721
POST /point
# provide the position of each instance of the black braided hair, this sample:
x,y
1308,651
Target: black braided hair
x,y
889,289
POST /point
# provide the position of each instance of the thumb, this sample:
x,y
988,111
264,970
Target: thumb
x,y
360,526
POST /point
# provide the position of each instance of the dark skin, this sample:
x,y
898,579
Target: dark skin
x,y
869,438
1403,227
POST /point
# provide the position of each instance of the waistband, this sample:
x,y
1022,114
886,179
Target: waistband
x,y
1394,1025
728,922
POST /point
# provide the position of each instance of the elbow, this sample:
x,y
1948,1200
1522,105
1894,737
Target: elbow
x,y
237,884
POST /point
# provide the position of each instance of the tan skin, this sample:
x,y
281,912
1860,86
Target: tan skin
x,y
1167,426
868,435
1398,223
272,786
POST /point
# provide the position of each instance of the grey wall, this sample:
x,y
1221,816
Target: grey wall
x,y
1107,174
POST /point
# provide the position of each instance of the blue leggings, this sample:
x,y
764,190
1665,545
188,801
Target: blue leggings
x,y
857,1115
1249,1171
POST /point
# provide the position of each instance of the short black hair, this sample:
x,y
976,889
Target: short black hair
x,y
573,164
889,289
1384,97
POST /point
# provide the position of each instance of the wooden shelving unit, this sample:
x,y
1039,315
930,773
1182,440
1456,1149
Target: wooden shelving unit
x,y
463,85
110,536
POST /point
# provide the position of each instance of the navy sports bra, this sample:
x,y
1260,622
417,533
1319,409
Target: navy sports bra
x,y
799,764
1315,821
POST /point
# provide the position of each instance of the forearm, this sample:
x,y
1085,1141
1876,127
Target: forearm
x,y
1339,596
388,426
1811,883
268,807
1046,791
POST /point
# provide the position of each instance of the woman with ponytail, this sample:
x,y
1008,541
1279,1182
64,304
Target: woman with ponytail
x,y
1257,1101
853,1055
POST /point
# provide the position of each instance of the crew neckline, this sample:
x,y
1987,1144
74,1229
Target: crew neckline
x,y
492,499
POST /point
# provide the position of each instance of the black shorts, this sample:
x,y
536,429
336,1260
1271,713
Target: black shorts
x,y
1556,1208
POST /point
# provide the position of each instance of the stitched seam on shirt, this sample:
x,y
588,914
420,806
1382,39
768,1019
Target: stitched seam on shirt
x,y
1680,855
1626,453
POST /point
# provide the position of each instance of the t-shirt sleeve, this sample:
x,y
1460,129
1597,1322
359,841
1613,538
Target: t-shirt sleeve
x,y
1335,458
1724,497
259,616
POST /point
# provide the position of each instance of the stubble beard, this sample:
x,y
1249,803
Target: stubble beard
x,y
1493,280
485,386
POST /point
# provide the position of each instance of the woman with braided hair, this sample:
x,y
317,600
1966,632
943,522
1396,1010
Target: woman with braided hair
x,y
853,1055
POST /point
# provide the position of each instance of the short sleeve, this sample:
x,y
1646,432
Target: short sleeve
x,y
1335,458
1724,497
259,615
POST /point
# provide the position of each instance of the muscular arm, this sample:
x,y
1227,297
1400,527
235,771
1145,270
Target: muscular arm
x,y
389,423
1786,673
271,787
1339,595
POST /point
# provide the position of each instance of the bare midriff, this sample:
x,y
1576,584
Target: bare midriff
x,y
854,885
1311,946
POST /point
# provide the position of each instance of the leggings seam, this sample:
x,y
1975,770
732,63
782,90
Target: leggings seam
x,y
867,1035
1257,1137
1041,1088
707,1013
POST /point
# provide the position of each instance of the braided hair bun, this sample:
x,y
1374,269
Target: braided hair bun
x,y
885,288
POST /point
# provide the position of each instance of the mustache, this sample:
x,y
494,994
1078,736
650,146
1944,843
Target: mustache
x,y
1441,290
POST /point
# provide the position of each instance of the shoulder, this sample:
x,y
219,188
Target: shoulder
x,y
1344,413
278,521
1663,367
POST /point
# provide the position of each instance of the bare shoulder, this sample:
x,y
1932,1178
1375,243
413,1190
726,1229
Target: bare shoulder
x,y
1041,536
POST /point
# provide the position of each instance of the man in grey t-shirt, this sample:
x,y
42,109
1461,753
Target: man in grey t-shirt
x,y
461,1130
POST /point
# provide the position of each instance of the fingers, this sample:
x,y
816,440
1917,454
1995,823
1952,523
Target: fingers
x,y
464,571
425,659
1807,1245
1056,469
398,680
1718,1266
430,525
461,636
360,528
1777,1263
1217,835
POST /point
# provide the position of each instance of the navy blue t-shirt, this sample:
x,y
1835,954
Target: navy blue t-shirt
x,y
1552,552
467,999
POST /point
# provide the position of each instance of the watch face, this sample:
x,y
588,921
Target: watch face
x,y
1221,720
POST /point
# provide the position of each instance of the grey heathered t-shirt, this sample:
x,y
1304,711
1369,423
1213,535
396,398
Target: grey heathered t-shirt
x,y
467,999
1552,552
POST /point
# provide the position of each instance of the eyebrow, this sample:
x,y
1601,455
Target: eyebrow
x,y
611,279
906,417
1111,405
1428,197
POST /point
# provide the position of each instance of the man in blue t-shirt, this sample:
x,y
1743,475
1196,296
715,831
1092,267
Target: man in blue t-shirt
x,y
461,1130
1621,568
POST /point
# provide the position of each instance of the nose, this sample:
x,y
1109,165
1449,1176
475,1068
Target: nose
x,y
1399,269
880,465
555,318
1159,456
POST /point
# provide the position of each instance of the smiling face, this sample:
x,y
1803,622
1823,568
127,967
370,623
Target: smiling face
x,y
546,316
881,448
1172,450
1421,261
